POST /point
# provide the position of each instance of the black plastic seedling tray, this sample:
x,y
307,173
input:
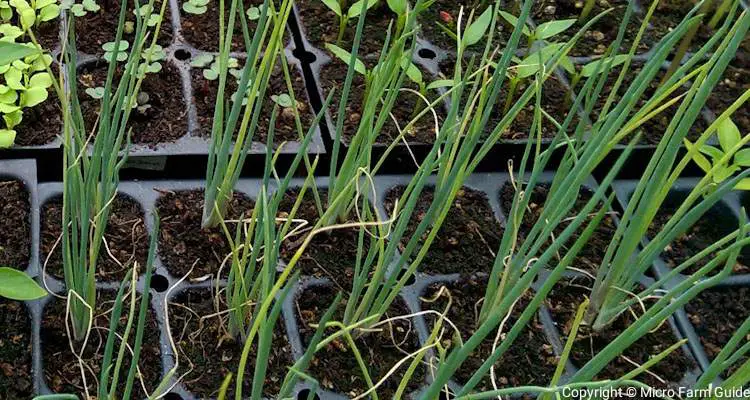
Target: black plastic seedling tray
x,y
146,195
191,147
725,213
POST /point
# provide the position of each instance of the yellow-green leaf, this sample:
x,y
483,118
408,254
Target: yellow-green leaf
x,y
15,284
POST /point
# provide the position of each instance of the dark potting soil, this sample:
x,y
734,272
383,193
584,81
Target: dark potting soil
x,y
61,368
590,256
734,83
713,226
207,354
15,232
126,237
331,254
602,33
530,360
16,382
321,25
468,238
48,34
41,124
100,27
652,130
406,107
563,302
205,92
335,366
183,243
668,15
202,30
716,315
444,14
165,120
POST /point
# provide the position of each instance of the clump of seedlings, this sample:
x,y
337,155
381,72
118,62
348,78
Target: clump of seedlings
x,y
315,279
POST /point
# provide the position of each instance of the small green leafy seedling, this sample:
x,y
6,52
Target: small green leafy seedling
x,y
283,100
80,9
30,14
544,31
146,9
16,285
122,51
210,66
151,60
729,137
196,7
346,12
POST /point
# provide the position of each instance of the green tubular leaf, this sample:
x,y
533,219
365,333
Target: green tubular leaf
x,y
729,134
7,138
10,52
552,28
333,5
478,28
345,56
742,158
15,284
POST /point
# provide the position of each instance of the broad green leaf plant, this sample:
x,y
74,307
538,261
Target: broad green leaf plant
x,y
16,285
725,160
24,80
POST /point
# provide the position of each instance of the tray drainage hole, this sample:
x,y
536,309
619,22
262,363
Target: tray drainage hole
x,y
172,396
305,393
427,53
160,283
182,54
411,279
304,56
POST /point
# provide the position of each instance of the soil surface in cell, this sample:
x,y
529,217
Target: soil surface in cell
x,y
407,107
161,114
590,256
48,34
716,315
468,238
205,92
202,30
735,82
331,254
704,233
600,35
61,369
42,123
182,241
16,381
100,27
530,360
335,366
15,232
669,14
126,239
207,353
321,25
444,14
563,303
